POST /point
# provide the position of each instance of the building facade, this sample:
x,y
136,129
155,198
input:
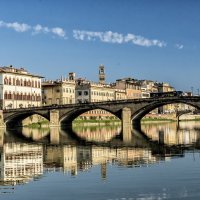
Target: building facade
x,y
87,91
19,88
59,92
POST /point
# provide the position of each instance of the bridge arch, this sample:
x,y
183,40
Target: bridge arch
x,y
16,119
68,117
139,114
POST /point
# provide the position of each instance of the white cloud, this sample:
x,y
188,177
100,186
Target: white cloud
x,y
113,37
38,29
179,46
16,26
58,31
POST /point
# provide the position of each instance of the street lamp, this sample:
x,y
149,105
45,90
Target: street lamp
x,y
192,90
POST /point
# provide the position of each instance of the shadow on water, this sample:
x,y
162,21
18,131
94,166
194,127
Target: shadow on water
x,y
29,153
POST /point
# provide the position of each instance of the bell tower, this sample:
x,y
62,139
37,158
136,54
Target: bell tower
x,y
101,74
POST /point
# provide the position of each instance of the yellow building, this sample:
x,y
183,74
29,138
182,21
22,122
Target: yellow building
x,y
127,88
59,92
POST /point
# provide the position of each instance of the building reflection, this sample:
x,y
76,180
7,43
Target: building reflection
x,y
22,161
97,133
173,133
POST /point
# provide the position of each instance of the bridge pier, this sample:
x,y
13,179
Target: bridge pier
x,y
2,124
2,131
126,124
54,135
54,118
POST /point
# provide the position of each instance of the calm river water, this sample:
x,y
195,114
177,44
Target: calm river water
x,y
160,161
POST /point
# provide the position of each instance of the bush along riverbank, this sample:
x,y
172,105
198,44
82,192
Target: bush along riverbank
x,y
92,122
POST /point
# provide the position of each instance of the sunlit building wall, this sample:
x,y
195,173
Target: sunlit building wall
x,y
19,88
59,92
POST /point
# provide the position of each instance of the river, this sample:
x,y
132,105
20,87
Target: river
x,y
159,161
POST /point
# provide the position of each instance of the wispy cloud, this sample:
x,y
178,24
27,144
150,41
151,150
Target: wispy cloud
x,y
113,37
59,32
179,46
38,29
16,26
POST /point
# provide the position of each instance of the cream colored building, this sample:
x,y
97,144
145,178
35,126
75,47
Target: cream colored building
x,y
19,88
59,92
87,91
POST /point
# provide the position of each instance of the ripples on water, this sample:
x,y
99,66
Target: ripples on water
x,y
160,161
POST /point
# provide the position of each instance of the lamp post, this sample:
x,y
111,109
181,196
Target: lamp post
x,y
192,88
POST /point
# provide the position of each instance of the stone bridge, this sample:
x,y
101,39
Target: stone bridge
x,y
129,111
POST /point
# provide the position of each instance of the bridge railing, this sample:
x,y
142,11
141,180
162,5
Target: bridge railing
x,y
138,100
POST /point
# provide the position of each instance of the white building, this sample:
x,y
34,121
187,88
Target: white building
x,y
19,88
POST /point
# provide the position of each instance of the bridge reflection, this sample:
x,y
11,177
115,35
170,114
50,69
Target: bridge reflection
x,y
27,155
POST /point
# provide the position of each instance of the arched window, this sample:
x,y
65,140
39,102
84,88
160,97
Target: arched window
x,y
17,82
33,97
28,97
9,95
21,96
21,82
35,83
25,82
17,96
5,95
32,83
9,81
13,81
38,84
38,98
24,96
6,81
29,83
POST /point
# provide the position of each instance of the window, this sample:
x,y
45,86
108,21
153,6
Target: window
x,y
25,83
13,81
85,93
9,82
5,95
9,95
5,80
29,83
24,96
79,93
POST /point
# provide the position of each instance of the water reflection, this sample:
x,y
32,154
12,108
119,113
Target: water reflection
x,y
41,151
97,133
20,163
183,133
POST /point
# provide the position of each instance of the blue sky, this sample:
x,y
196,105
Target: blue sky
x,y
143,39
